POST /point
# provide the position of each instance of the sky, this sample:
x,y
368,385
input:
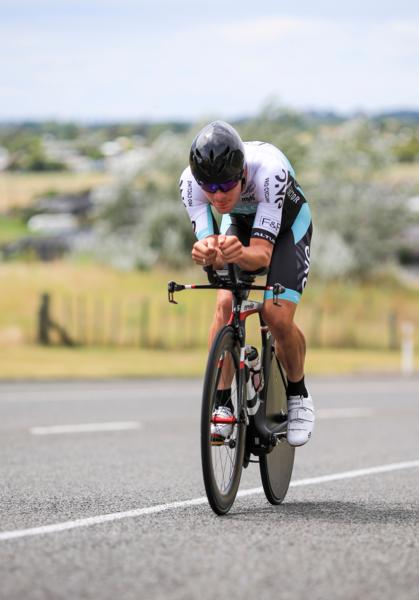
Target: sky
x,y
99,60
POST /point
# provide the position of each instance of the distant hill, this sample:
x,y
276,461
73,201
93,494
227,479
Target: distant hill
x,y
69,130
400,115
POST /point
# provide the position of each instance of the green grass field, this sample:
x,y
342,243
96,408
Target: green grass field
x,y
11,229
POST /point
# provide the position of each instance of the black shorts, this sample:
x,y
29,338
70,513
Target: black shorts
x,y
290,262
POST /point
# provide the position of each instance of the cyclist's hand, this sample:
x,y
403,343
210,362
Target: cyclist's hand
x,y
205,251
231,248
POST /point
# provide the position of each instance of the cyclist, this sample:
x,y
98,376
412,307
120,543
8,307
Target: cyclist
x,y
266,223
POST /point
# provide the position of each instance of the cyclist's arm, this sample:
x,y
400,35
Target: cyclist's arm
x,y
250,258
257,255
197,206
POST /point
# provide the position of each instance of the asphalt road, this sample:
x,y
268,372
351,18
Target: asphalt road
x,y
355,535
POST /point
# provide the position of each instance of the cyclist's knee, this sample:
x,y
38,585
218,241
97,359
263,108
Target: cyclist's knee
x,y
279,318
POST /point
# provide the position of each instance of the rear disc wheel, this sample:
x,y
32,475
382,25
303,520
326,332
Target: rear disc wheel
x,y
276,466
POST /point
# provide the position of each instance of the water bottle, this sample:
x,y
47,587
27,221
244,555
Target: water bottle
x,y
254,378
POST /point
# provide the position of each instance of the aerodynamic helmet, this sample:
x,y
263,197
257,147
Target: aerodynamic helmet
x,y
217,154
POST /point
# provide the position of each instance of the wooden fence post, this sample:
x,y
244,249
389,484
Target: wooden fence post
x,y
44,320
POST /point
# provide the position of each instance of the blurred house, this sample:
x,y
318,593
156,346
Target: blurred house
x,y
79,205
67,153
56,223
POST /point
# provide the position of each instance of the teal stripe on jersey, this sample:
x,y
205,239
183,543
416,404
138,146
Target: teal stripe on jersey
x,y
210,228
225,223
301,223
289,294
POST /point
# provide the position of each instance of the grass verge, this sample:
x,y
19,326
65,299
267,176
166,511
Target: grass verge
x,y
35,362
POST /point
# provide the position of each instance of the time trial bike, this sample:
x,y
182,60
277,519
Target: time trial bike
x,y
258,425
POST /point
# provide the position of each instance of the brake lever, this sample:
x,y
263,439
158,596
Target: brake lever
x,y
173,287
277,290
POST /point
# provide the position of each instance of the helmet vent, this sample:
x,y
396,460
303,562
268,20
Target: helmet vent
x,y
211,155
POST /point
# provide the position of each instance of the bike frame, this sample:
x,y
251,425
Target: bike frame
x,y
264,438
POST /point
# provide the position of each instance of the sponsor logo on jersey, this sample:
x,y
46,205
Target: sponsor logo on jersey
x,y
264,235
266,189
281,187
268,223
293,193
189,192
306,266
248,194
181,193
246,199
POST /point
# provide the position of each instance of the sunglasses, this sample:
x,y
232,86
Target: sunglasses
x,y
211,188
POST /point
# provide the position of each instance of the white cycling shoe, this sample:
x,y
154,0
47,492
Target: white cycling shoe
x,y
300,420
221,431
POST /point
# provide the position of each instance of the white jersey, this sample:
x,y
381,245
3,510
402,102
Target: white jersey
x,y
271,194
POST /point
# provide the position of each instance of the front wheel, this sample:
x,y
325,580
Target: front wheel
x,y
222,458
276,467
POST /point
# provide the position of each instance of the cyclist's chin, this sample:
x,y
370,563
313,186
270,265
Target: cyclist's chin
x,y
223,208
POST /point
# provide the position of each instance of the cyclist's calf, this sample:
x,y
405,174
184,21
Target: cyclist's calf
x,y
290,347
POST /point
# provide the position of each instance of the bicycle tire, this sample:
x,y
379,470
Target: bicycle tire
x,y
221,488
276,466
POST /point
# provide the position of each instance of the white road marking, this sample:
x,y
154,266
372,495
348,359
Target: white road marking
x,y
85,428
344,413
87,522
71,394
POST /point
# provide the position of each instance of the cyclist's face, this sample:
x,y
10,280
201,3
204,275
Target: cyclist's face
x,y
224,202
